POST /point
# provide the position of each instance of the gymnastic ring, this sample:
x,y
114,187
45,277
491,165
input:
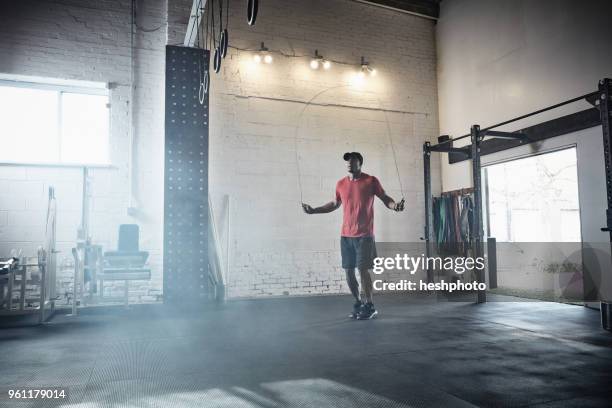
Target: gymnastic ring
x,y
204,87
217,60
224,42
201,93
252,8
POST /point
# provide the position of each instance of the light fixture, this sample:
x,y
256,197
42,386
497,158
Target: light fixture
x,y
366,69
319,61
263,55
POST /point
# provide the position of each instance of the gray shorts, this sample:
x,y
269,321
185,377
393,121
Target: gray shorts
x,y
357,252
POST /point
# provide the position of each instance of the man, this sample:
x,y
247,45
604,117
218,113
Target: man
x,y
356,194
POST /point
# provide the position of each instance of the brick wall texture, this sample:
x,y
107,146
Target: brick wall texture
x,y
259,120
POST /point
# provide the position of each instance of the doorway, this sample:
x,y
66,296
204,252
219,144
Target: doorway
x,y
532,209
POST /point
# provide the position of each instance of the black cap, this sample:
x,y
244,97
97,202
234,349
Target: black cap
x,y
349,155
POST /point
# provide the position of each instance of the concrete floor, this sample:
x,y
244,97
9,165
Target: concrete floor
x,y
303,352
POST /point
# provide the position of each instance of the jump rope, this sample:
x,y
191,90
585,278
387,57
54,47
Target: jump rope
x,y
388,127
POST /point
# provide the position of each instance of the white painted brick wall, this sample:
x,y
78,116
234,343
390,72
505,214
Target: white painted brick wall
x,y
90,40
275,248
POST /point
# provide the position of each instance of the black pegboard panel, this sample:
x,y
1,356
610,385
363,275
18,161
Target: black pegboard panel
x,y
185,180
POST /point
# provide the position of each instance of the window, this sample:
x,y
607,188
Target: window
x,y
534,199
45,123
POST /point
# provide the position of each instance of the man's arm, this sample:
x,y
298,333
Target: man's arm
x,y
388,201
391,204
325,208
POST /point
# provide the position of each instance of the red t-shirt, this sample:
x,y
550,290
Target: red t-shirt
x,y
357,198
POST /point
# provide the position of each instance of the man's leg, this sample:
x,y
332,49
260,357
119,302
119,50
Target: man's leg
x,y
353,285
349,259
365,261
366,283
368,311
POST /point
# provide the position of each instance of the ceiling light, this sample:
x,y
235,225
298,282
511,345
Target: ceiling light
x,y
318,61
366,69
263,55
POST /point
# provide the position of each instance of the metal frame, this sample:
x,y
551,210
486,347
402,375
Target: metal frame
x,y
605,110
473,152
195,19
217,269
45,263
46,306
428,203
604,102
556,127
602,99
424,9
477,136
126,268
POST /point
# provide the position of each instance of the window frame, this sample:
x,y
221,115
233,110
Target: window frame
x,y
485,181
60,86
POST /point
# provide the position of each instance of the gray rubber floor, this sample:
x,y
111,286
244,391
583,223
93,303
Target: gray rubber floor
x,y
304,352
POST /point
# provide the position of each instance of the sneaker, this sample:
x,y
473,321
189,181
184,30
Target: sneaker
x,y
367,312
356,310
